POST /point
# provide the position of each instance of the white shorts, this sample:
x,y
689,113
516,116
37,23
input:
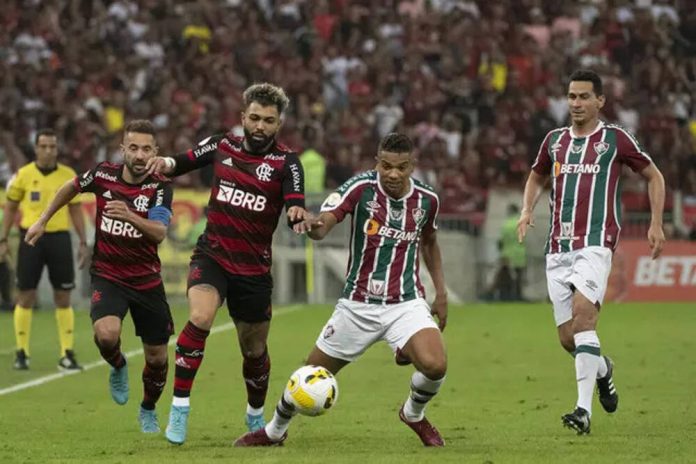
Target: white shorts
x,y
586,269
354,326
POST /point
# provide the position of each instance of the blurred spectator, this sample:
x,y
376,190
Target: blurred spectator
x,y
445,71
313,163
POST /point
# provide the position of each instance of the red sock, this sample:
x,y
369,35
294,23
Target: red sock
x,y
189,355
154,379
256,373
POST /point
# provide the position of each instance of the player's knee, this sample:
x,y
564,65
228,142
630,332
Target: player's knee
x,y
62,299
435,369
26,298
156,360
253,351
106,334
203,319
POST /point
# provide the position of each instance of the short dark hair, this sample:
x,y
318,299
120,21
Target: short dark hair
x,y
141,126
587,75
47,132
396,143
266,94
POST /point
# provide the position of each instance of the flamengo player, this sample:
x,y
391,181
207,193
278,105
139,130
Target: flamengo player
x,y
133,212
254,178
585,162
393,219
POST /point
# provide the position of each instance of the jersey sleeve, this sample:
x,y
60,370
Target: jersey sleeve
x,y
343,200
629,151
16,188
542,163
431,223
161,204
195,158
76,200
87,181
293,182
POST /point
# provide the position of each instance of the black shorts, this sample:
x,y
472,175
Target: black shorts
x,y
149,308
248,297
54,250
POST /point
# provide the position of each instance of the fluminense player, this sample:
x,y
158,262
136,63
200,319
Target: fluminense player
x,y
393,223
133,213
584,162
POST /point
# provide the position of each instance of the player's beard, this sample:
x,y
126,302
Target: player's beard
x,y
257,145
136,170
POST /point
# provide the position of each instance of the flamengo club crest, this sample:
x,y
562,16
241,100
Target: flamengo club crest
x,y
263,172
418,214
601,148
141,202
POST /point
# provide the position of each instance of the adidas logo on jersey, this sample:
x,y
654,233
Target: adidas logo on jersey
x,y
227,162
107,194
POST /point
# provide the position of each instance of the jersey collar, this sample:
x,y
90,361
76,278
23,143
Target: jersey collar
x,y
600,126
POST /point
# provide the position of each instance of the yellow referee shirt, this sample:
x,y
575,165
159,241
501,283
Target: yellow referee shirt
x,y
34,190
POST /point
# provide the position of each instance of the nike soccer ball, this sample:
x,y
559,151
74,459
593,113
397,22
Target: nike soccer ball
x,y
312,390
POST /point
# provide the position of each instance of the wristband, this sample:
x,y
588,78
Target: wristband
x,y
170,162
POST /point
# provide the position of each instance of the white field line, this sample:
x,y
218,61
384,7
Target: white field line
x,y
58,375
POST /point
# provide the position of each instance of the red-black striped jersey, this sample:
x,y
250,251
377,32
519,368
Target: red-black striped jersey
x,y
121,253
247,197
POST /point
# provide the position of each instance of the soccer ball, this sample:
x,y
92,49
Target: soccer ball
x,y
312,390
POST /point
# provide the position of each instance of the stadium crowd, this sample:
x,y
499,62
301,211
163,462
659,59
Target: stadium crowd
x,y
476,83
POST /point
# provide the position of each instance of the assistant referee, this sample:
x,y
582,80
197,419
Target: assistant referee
x,y
30,191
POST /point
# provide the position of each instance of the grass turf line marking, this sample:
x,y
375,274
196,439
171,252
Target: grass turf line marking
x,y
59,375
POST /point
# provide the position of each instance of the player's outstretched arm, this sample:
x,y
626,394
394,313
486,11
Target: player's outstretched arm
x,y
433,262
63,196
656,193
532,191
318,227
78,220
182,163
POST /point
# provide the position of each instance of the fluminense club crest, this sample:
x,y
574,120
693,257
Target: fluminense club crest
x,y
418,214
601,148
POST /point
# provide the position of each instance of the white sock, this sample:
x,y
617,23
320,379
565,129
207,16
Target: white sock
x,y
254,411
603,368
180,401
586,366
282,416
422,390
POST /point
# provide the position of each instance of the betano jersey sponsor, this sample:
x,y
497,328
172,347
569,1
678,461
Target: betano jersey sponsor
x,y
385,238
248,195
585,172
121,254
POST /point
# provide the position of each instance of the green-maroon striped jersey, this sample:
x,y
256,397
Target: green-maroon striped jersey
x,y
585,174
385,237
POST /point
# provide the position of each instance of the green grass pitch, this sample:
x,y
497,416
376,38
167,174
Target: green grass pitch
x,y
507,386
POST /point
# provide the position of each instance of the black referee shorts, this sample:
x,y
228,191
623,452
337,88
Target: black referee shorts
x,y
54,250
